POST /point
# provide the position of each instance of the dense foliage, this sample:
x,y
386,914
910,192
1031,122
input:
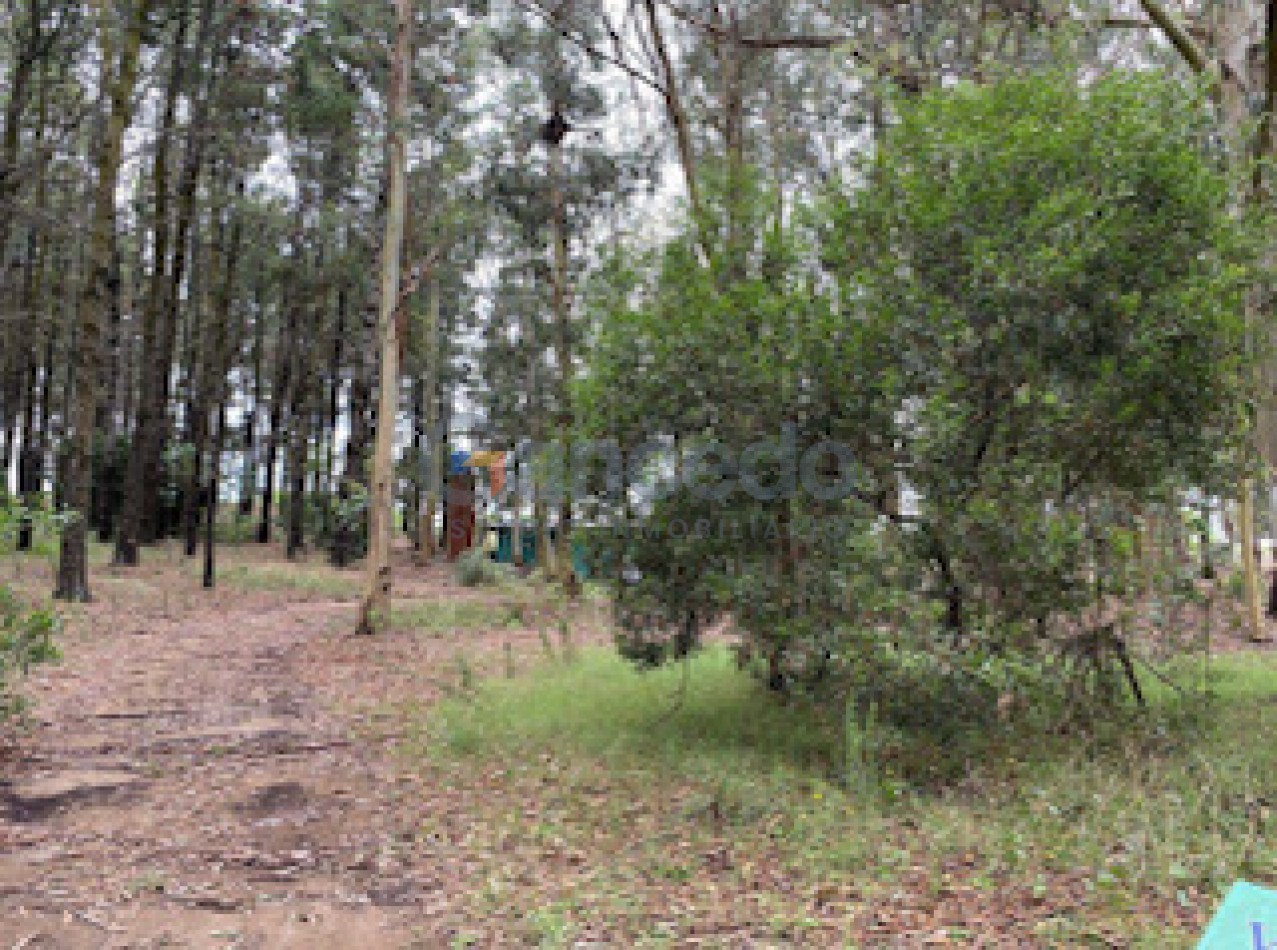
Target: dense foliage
x,y
926,417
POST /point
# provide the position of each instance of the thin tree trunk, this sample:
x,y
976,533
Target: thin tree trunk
x,y
284,352
200,359
183,249
674,108
376,604
416,512
438,444
1250,569
563,348
296,536
248,486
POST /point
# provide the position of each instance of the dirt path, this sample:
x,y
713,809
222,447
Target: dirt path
x,y
205,777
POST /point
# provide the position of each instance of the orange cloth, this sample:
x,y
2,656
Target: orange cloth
x,y
497,477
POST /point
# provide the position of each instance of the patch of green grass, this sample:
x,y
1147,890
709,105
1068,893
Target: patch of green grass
x,y
317,580
234,528
442,617
1138,825
700,718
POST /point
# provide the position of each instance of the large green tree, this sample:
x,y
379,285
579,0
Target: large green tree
x,y
1024,316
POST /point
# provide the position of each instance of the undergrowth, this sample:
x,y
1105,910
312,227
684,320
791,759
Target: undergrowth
x,y
1154,814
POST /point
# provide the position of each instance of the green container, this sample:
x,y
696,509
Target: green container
x,y
505,549
579,563
505,544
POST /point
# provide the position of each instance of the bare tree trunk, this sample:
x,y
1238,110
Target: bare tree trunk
x,y
248,485
375,608
438,438
1250,569
282,382
563,348
154,362
296,535
434,479
674,108
32,52
117,81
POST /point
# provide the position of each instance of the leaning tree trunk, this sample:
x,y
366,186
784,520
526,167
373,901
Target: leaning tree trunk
x,y
376,603
117,81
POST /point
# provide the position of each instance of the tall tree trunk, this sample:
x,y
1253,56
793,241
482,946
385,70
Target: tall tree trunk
x,y
117,82
438,444
183,246
375,608
355,467
143,467
285,353
674,109
416,508
297,442
332,411
30,53
225,271
29,460
200,360
563,354
248,484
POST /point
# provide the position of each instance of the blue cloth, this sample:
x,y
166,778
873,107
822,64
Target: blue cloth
x,y
1247,920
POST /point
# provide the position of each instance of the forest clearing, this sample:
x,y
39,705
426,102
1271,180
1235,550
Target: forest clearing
x,y
234,769
638,473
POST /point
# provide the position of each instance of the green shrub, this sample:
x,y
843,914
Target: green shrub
x,y
475,569
26,634
26,638
1020,324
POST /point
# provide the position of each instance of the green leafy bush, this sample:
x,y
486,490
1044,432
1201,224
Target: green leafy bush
x,y
475,569
26,639
26,633
1022,320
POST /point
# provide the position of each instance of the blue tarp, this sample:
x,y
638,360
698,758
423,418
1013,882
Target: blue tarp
x,y
1247,920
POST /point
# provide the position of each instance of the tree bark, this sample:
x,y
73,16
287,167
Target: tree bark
x,y
563,352
154,364
375,608
117,81
438,444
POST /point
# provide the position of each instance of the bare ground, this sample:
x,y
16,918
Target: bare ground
x,y
224,769
203,772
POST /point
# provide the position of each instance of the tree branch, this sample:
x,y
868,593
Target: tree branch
x,y
539,10
896,72
1179,37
